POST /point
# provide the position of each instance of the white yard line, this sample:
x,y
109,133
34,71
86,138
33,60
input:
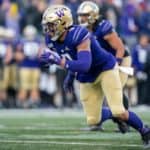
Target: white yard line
x,y
67,143
51,137
30,113
49,112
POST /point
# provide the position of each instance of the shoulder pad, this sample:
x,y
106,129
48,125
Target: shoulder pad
x,y
105,27
80,34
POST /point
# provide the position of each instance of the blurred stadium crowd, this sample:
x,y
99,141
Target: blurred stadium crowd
x,y
23,84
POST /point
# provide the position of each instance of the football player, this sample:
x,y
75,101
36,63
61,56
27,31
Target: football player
x,y
27,53
89,17
72,47
5,58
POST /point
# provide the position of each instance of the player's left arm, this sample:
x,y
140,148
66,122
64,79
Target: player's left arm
x,y
115,41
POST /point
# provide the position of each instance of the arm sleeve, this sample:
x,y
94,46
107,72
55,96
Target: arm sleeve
x,y
82,64
84,58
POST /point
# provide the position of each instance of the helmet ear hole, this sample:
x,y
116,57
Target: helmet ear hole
x,y
63,23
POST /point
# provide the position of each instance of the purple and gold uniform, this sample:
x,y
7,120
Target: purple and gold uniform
x,y
29,67
96,69
103,29
101,60
7,67
98,80
3,51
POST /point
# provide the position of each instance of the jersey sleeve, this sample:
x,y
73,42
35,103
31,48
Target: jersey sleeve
x,y
104,28
80,34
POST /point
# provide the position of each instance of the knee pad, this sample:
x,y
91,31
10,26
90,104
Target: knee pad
x,y
123,116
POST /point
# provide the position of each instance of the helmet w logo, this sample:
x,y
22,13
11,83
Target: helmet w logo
x,y
60,13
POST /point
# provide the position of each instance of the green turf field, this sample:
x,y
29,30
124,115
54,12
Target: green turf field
x,y
60,130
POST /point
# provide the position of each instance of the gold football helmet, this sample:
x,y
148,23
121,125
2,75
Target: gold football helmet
x,y
30,32
88,13
56,19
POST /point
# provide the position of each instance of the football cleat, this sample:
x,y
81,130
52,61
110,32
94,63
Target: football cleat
x,y
93,128
146,137
96,128
122,126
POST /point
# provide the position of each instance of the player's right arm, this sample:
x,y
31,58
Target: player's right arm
x,y
84,56
114,40
81,43
110,35
82,64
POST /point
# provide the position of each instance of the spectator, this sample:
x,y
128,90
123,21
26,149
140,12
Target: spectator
x,y
144,19
73,5
29,72
33,13
139,54
12,18
10,78
5,58
147,70
128,24
48,87
2,14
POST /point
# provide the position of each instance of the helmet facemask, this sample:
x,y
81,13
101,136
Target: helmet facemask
x,y
52,30
88,13
86,20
